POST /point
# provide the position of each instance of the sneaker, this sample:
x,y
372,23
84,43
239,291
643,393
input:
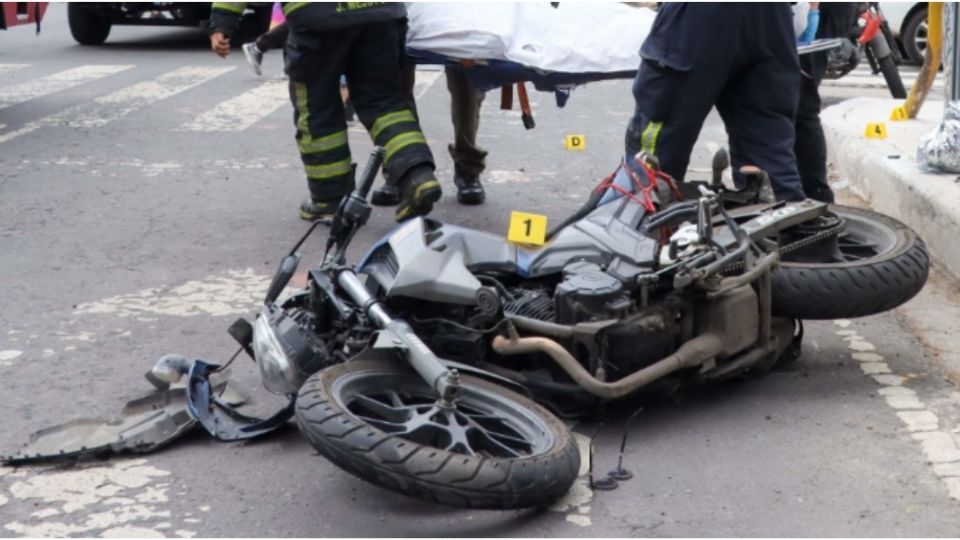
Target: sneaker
x,y
469,189
254,56
311,210
419,189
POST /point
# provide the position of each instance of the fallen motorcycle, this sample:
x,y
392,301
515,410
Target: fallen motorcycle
x,y
434,367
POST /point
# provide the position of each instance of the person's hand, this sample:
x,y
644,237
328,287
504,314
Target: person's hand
x,y
810,32
220,44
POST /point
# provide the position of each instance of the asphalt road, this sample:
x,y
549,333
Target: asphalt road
x,y
143,207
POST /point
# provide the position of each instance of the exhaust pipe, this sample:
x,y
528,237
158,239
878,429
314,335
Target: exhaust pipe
x,y
691,354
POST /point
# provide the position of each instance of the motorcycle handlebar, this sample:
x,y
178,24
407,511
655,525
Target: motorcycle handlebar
x,y
370,172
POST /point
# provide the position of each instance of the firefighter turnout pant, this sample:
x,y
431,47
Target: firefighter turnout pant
x,y
369,55
739,57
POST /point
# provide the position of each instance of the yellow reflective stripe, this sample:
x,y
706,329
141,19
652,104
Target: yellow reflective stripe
x,y
402,141
231,7
290,7
322,144
329,170
648,140
429,184
390,119
654,136
303,114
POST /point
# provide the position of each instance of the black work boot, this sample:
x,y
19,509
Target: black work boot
x,y
419,189
311,210
469,188
386,195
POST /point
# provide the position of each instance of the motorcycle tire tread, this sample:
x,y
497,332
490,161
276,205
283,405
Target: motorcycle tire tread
x,y
849,290
431,474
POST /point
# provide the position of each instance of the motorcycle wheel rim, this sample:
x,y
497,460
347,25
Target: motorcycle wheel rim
x,y
481,423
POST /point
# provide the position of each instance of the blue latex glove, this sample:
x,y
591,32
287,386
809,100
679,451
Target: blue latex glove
x,y
810,32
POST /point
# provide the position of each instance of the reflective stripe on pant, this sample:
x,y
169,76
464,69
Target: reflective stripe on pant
x,y
325,155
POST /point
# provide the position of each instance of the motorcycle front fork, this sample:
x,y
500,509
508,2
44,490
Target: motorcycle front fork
x,y
444,380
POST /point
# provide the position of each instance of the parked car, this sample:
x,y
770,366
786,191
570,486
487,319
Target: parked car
x,y
90,22
908,20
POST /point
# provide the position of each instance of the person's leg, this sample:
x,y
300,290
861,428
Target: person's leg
x,y
759,105
469,160
810,146
273,39
389,194
319,118
680,78
373,70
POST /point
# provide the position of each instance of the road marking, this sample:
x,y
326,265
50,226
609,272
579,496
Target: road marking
x,y
44,86
576,502
235,292
7,357
119,499
424,81
118,104
6,68
939,447
243,111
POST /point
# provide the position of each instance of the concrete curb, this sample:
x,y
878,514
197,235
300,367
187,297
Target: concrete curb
x,y
885,173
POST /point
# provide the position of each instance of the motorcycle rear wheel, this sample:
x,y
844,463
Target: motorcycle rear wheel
x,y
879,264
379,421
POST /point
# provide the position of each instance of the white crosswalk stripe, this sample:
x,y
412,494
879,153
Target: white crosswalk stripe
x,y
243,111
5,68
234,114
44,86
122,102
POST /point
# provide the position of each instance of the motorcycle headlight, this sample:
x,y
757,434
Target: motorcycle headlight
x,y
277,370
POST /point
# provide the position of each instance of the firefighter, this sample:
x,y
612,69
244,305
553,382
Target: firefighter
x,y
361,40
739,57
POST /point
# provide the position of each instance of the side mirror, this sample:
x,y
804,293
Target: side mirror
x,y
283,275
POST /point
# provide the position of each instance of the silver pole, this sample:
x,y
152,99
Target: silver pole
x,y
939,150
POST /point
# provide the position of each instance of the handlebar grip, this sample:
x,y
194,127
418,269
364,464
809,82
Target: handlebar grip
x,y
370,172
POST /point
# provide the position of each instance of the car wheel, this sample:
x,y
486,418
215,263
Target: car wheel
x,y
915,36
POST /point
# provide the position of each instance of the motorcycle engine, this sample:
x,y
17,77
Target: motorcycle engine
x,y
588,293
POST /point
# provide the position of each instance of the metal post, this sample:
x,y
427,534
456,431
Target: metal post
x,y
939,150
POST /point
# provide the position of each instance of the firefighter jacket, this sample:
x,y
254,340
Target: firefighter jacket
x,y
305,17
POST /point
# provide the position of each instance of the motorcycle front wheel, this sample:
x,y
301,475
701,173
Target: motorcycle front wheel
x,y
495,449
875,264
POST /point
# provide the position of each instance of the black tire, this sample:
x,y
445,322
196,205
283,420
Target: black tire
x,y
890,74
87,26
418,469
914,36
883,279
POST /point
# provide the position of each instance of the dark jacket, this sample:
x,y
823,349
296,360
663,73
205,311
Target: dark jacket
x,y
305,17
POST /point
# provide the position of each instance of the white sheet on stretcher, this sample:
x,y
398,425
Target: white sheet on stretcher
x,y
575,37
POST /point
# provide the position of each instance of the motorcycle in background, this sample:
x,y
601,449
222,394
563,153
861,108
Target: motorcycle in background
x,y
871,37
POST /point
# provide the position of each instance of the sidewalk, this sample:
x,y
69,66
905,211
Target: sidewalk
x,y
885,173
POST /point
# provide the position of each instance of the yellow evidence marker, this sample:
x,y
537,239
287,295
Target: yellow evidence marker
x,y
530,229
899,113
876,130
575,142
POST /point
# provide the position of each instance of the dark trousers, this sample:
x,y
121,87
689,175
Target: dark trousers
x,y
273,39
465,102
369,56
738,57
836,18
